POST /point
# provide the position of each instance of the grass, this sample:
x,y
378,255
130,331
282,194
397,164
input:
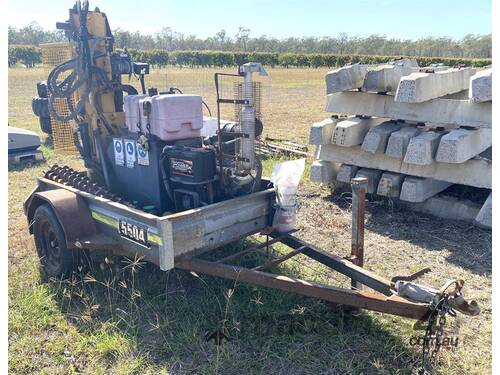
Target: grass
x,y
125,317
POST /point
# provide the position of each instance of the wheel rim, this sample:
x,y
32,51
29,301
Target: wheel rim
x,y
50,248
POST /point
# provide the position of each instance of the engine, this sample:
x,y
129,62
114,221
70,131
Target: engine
x,y
162,163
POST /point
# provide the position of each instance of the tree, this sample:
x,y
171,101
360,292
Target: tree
x,y
343,40
221,40
242,37
165,38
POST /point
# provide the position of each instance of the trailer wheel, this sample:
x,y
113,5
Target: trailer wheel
x,y
55,258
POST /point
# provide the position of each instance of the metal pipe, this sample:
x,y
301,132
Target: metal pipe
x,y
362,299
358,186
247,126
338,264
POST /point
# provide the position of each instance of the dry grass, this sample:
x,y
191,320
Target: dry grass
x,y
131,318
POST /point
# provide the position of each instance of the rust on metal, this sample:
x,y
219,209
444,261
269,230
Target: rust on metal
x,y
358,185
411,277
70,209
276,261
394,305
339,264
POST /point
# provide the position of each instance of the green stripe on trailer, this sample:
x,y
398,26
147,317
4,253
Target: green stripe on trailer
x,y
112,222
154,239
108,220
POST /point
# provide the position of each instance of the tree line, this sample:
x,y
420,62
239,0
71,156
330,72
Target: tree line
x,y
31,55
470,46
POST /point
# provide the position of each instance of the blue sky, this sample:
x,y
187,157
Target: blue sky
x,y
279,18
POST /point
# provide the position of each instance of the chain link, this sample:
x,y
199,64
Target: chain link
x,y
429,359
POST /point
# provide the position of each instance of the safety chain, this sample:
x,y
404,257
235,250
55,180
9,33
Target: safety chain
x,y
429,359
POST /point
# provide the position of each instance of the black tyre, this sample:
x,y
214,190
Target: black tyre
x,y
45,124
41,88
44,107
35,106
40,107
55,258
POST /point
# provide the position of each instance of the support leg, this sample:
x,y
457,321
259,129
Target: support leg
x,y
358,186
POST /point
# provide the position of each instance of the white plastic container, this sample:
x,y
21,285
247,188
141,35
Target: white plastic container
x,y
132,112
174,116
286,177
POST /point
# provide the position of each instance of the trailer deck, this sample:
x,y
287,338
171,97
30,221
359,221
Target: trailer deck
x,y
164,238
175,240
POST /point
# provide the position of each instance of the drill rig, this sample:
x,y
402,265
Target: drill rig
x,y
158,190
146,147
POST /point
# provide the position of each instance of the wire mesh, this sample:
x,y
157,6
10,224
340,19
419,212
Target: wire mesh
x,y
62,131
54,54
257,94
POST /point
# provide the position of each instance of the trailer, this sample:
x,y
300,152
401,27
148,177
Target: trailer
x,y
66,220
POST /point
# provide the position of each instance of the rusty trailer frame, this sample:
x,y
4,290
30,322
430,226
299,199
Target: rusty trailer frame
x,y
90,222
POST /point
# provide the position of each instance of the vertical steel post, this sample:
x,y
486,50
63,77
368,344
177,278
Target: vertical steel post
x,y
358,186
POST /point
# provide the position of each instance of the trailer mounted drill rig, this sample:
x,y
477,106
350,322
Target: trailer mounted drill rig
x,y
155,189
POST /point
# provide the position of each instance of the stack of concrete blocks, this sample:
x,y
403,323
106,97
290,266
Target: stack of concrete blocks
x,y
412,131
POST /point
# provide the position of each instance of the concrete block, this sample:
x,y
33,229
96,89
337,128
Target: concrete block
x,y
352,131
446,112
446,207
385,78
323,172
399,140
475,172
346,173
321,133
480,86
422,148
416,189
484,217
345,78
420,87
460,145
376,139
389,184
373,176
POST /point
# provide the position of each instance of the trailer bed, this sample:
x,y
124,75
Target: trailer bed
x,y
173,236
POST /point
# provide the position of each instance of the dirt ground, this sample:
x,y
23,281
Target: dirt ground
x,y
122,318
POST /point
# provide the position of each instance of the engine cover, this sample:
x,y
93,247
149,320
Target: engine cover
x,y
192,172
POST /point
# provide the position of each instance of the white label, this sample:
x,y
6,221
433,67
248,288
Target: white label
x,y
118,147
142,155
130,153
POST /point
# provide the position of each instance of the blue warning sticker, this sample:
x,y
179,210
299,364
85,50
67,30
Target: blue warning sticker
x,y
142,155
118,148
129,152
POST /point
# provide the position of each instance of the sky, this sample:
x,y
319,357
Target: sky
x,y
279,18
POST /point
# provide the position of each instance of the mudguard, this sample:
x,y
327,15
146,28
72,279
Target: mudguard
x,y
70,209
